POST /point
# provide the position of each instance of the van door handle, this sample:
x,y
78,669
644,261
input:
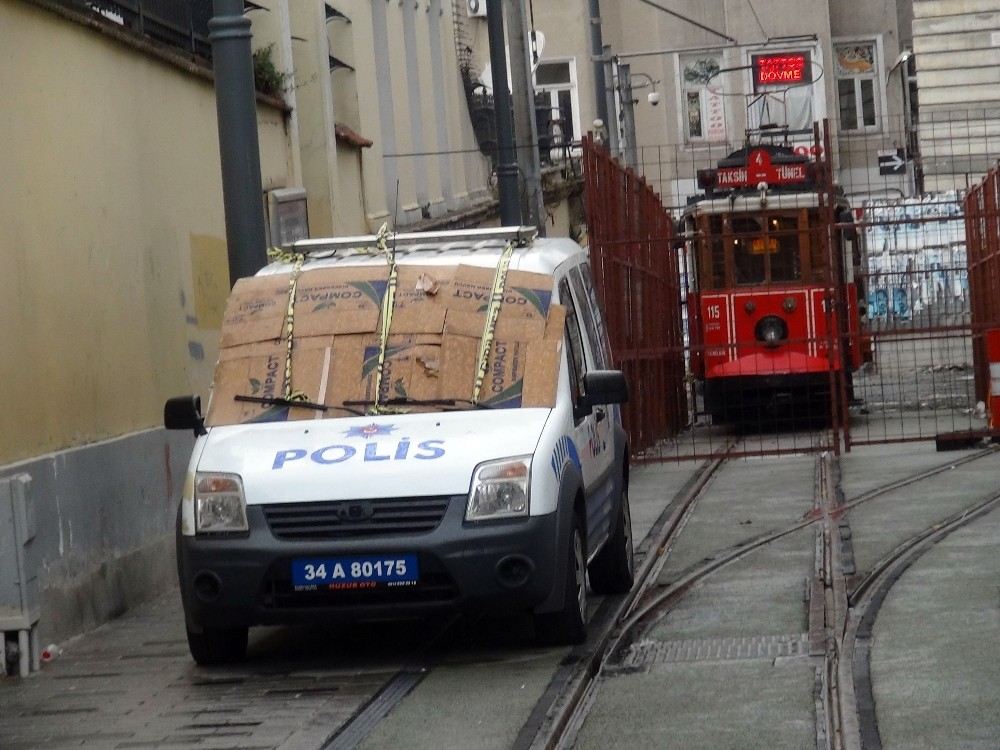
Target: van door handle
x,y
600,415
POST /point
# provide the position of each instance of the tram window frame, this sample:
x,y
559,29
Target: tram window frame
x,y
819,261
745,261
731,237
794,254
713,264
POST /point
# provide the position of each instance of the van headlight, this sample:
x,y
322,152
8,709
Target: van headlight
x,y
219,504
499,490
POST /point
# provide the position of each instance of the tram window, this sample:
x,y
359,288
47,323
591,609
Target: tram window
x,y
718,259
818,250
784,240
748,251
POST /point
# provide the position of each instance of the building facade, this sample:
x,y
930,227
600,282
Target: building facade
x,y
722,68
957,48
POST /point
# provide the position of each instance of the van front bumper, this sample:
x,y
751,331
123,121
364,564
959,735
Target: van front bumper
x,y
507,566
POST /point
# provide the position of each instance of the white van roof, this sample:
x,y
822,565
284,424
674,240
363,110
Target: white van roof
x,y
474,247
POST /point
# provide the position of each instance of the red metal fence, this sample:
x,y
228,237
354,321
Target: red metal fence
x,y
637,276
982,229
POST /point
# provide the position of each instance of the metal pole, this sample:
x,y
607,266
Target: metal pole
x,y
911,176
525,126
597,56
510,209
628,115
239,152
611,123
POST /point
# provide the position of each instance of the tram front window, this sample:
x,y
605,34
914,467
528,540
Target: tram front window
x,y
766,250
748,251
784,232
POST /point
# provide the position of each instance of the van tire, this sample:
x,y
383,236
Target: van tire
x,y
613,570
568,625
215,646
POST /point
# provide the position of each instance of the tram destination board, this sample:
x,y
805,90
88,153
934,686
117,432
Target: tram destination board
x,y
759,169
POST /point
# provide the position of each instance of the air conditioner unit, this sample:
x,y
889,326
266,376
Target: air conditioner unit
x,y
477,8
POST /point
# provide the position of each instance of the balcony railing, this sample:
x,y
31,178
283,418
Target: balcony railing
x,y
180,24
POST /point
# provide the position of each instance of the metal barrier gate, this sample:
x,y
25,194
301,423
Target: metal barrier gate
x,y
982,223
637,278
889,310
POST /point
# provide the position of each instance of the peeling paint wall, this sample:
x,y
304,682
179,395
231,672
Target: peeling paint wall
x,y
115,277
114,255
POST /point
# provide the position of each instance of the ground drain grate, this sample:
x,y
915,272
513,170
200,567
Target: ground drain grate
x,y
59,711
222,724
302,690
218,681
645,654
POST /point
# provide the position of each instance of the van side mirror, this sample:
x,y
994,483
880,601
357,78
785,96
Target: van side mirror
x,y
184,413
602,387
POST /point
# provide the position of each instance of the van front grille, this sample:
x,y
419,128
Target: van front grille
x,y
345,519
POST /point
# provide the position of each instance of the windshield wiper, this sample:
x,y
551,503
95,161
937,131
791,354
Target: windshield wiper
x,y
278,401
404,401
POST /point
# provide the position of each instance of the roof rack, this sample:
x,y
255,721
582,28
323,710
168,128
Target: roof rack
x,y
520,236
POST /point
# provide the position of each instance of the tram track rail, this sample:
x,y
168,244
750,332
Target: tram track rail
x,y
619,621
573,683
867,598
566,712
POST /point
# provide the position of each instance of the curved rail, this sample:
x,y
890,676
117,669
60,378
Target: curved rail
x,y
567,710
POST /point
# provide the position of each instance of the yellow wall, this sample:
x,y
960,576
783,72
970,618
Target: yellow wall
x,y
113,267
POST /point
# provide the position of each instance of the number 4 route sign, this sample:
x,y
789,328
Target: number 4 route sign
x,y
892,162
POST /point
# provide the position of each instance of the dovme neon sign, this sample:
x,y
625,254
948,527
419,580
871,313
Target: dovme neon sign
x,y
781,69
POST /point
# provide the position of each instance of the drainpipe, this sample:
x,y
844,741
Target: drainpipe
x,y
525,126
239,151
597,58
507,182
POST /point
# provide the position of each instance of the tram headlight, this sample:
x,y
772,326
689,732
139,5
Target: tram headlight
x,y
771,331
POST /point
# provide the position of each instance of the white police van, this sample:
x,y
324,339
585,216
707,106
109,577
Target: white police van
x,y
402,512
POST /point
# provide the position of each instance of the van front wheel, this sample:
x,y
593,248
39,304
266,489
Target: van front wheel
x,y
215,646
613,570
569,624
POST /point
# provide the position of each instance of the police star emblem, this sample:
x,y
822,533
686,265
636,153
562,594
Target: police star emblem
x,y
370,430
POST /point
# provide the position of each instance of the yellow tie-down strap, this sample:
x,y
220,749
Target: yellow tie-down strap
x,y
492,313
388,303
296,259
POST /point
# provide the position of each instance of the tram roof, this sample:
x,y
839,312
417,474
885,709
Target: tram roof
x,y
751,203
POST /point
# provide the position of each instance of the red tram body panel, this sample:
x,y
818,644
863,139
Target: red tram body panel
x,y
773,306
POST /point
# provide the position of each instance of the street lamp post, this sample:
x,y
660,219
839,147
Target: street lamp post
x,y
510,205
239,152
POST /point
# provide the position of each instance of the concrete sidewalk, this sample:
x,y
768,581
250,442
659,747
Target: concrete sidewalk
x,y
132,684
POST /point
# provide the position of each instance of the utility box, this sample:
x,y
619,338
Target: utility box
x,y
19,606
288,216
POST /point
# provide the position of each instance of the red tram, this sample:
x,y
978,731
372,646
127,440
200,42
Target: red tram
x,y
773,306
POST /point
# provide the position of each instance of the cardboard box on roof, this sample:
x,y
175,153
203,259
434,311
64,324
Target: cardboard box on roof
x,y
422,294
255,310
438,320
340,300
411,369
518,373
527,295
258,370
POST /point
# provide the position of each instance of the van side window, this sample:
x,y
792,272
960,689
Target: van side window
x,y
583,285
577,359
